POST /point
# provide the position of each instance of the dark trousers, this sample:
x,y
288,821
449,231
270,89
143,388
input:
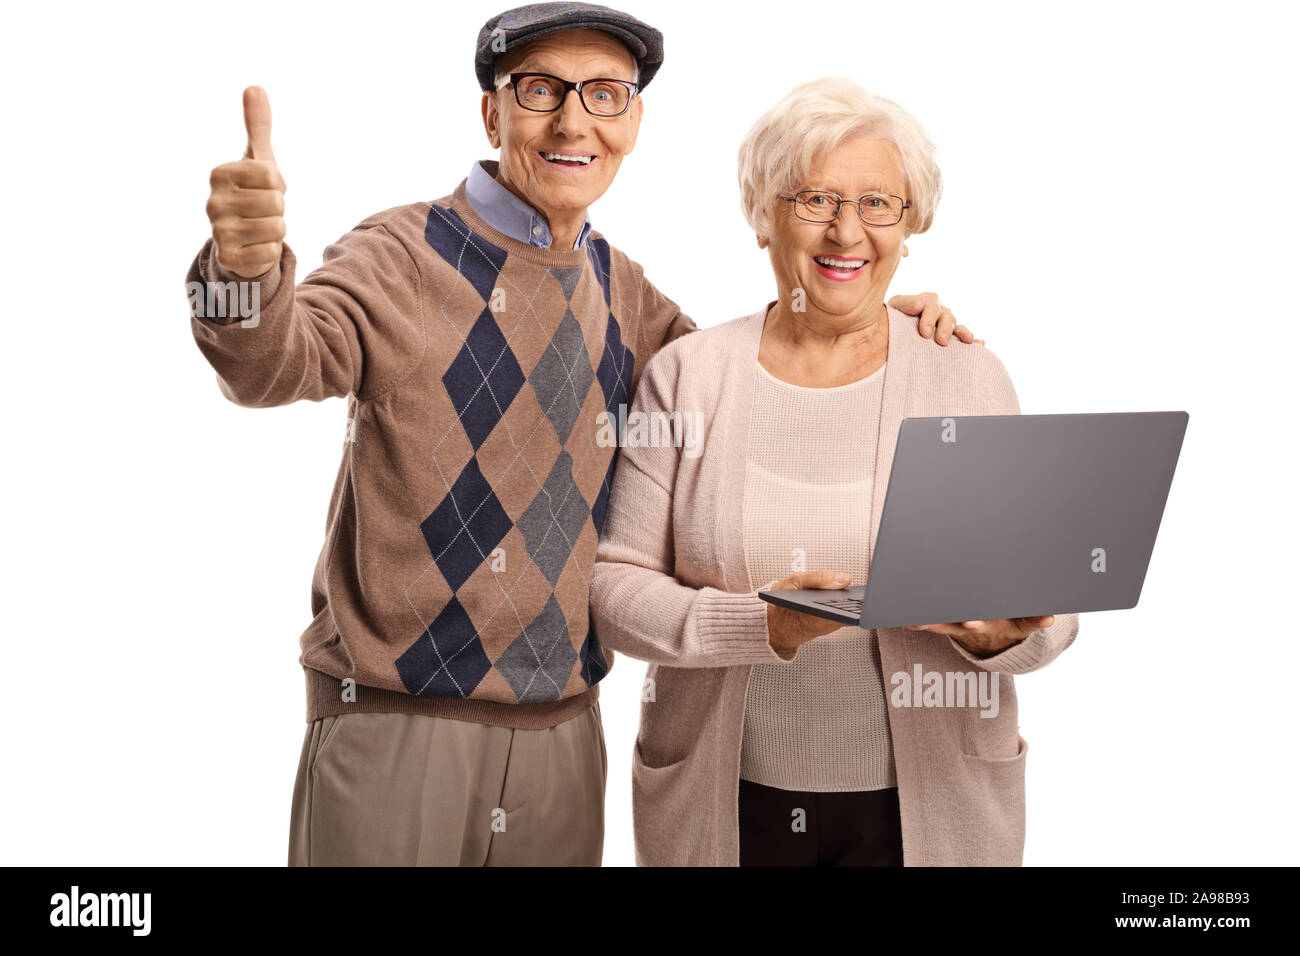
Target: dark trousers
x,y
795,828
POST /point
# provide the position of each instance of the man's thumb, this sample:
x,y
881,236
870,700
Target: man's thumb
x,y
257,120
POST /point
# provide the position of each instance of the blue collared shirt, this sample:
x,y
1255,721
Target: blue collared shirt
x,y
507,213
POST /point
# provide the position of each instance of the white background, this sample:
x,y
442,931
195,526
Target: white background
x,y
1118,221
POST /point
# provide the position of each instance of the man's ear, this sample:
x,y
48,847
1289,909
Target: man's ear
x,y
762,241
492,119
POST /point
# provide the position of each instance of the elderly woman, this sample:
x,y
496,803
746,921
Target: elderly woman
x,y
770,737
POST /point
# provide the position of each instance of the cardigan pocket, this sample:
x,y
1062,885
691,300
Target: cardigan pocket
x,y
667,815
993,811
639,759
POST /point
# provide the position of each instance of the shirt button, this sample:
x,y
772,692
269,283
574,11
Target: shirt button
x,y
537,230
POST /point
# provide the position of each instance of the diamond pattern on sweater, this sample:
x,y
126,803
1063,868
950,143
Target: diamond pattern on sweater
x,y
476,259
484,378
467,524
602,499
615,371
513,402
568,279
593,658
552,522
598,253
538,662
563,375
447,660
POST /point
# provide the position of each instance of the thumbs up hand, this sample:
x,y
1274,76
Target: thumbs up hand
x,y
246,206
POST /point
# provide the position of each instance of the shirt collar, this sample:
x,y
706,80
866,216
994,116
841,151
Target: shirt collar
x,y
507,213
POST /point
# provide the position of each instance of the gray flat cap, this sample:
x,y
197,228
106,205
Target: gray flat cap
x,y
508,30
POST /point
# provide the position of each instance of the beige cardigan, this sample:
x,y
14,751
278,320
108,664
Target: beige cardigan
x,y
670,586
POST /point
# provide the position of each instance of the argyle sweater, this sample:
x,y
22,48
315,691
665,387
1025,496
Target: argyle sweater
x,y
479,371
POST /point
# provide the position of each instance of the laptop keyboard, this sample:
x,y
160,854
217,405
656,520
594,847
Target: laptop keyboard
x,y
844,604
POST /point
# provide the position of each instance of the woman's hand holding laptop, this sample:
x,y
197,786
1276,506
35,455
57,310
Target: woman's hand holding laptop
x,y
787,629
986,638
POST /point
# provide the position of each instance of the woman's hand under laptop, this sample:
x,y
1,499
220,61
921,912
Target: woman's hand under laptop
x,y
986,638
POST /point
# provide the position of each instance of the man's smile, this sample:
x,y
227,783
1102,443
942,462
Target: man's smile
x,y
567,159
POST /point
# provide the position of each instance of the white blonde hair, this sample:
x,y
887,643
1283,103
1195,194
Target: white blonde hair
x,y
812,120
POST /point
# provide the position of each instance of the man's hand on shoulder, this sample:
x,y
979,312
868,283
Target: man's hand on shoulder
x,y
933,319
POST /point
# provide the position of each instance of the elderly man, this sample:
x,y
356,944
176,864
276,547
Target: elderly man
x,y
480,341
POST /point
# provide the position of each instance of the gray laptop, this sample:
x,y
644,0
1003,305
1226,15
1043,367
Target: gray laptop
x,y
1003,516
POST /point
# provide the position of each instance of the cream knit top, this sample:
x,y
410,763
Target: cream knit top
x,y
821,722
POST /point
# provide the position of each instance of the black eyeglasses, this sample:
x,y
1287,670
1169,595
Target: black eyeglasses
x,y
874,209
544,93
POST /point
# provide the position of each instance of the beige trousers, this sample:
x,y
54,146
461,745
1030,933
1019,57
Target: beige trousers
x,y
412,790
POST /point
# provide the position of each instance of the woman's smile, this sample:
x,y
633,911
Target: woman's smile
x,y
839,268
